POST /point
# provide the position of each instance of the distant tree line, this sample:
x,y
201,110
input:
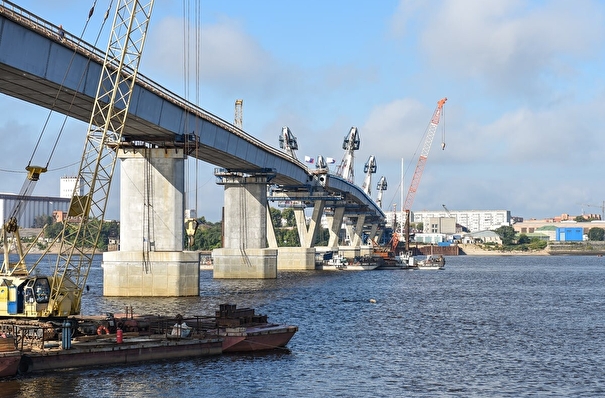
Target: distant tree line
x,y
109,230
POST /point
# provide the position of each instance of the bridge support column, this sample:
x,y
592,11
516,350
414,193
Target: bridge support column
x,y
356,233
334,225
245,253
151,261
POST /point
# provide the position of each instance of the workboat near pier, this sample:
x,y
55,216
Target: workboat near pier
x,y
94,341
431,262
338,262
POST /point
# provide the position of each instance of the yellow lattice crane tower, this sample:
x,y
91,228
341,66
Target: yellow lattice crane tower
x,y
60,294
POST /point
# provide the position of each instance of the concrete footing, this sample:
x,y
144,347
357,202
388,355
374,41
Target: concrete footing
x,y
296,258
156,274
245,263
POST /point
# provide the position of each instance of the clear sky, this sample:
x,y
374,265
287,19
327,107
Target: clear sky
x,y
525,82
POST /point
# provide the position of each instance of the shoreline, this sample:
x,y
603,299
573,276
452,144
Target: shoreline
x,y
474,250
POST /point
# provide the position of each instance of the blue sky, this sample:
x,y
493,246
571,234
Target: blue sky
x,y
525,84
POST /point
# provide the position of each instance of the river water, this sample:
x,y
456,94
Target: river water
x,y
508,326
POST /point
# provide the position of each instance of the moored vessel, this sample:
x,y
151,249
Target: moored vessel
x,y
431,262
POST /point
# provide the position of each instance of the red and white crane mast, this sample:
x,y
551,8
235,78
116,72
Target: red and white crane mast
x,y
430,134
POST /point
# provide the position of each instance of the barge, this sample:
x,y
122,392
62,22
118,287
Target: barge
x,y
97,341
9,356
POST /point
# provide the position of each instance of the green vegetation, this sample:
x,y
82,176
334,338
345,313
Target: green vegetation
x,y
513,242
596,234
109,230
207,237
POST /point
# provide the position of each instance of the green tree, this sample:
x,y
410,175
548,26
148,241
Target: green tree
x,y
208,235
287,237
53,230
288,215
323,237
275,217
507,234
523,239
596,234
41,221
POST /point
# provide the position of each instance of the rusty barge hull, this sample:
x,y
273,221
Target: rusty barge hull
x,y
258,339
110,353
9,363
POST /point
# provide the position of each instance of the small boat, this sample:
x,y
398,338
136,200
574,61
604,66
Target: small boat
x,y
333,262
431,262
338,262
365,263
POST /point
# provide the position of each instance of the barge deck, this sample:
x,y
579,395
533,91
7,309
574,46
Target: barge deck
x,y
105,341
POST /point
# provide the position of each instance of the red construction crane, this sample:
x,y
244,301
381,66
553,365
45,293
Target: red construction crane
x,y
430,134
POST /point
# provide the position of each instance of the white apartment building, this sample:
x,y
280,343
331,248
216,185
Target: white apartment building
x,y
67,185
473,220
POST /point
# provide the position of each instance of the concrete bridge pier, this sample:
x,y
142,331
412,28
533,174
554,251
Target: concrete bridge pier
x,y
151,261
303,257
245,253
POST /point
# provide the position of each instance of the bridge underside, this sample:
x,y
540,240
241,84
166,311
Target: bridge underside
x,y
39,68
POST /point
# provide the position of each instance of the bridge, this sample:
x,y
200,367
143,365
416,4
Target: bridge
x,y
42,65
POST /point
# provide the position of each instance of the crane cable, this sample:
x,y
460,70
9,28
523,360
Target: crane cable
x,y
51,110
442,128
90,13
187,61
29,184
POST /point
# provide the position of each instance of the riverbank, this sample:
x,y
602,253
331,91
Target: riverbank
x,y
555,249
476,250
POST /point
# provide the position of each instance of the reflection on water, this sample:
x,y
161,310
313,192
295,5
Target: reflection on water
x,y
486,326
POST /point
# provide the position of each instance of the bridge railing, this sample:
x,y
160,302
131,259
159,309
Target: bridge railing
x,y
53,32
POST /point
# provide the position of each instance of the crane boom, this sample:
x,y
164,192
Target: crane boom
x,y
350,145
381,187
81,231
430,134
369,169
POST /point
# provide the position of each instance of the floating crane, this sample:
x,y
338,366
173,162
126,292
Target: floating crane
x,y
430,134
60,294
288,142
369,169
350,145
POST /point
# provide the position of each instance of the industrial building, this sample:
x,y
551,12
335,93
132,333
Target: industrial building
x,y
31,207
